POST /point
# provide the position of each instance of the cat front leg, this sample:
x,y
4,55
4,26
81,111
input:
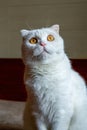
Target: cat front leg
x,y
62,121
40,125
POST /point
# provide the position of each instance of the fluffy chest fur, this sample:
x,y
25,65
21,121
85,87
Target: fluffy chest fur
x,y
47,87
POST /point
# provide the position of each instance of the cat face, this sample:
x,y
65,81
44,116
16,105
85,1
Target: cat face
x,y
41,44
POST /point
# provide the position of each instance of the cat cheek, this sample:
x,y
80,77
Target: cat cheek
x,y
51,49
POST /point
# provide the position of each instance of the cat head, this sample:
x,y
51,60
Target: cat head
x,y
43,45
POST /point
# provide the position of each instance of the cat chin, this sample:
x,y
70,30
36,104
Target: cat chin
x,y
42,56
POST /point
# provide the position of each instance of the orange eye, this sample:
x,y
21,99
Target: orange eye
x,y
33,40
50,38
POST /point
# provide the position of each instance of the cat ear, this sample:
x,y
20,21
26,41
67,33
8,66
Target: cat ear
x,y
24,32
55,27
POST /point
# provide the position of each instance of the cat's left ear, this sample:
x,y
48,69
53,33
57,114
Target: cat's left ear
x,y
55,27
24,32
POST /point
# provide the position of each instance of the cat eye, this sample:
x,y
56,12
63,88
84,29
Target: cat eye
x,y
33,40
50,38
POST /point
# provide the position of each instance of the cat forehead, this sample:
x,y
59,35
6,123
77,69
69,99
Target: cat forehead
x,y
41,32
53,30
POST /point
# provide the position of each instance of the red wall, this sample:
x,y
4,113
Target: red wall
x,y
11,77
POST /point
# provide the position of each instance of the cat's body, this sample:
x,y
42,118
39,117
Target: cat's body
x,y
57,98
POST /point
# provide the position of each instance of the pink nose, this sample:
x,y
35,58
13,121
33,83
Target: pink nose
x,y
42,44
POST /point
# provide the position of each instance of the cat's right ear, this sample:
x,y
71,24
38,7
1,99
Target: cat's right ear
x,y
24,32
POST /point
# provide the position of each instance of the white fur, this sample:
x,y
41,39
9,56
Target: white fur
x,y
57,98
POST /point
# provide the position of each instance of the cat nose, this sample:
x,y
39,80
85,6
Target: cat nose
x,y
42,44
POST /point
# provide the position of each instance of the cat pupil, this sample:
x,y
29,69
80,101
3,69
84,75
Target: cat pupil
x,y
33,40
50,38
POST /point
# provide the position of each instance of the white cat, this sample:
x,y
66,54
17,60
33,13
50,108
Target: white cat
x,y
57,97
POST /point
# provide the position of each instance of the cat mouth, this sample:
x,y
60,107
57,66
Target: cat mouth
x,y
42,52
45,51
